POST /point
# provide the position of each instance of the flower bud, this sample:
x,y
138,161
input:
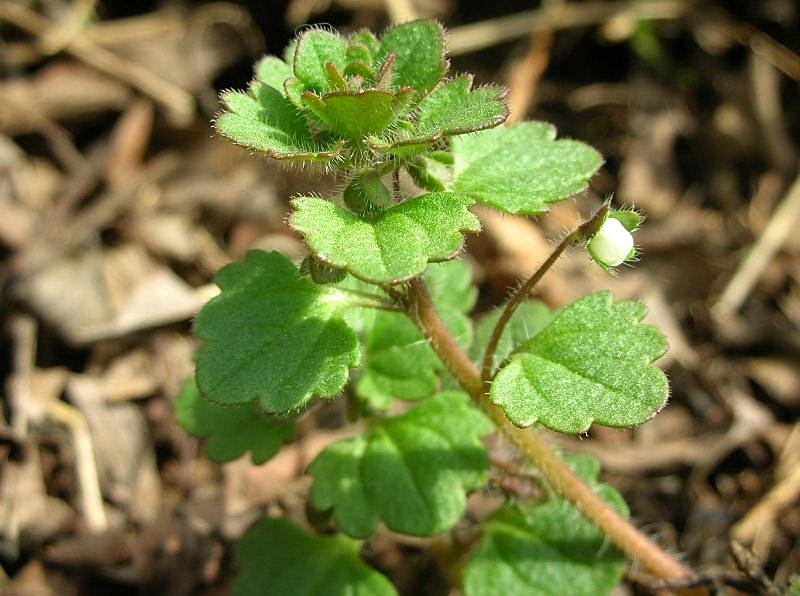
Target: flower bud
x,y
612,244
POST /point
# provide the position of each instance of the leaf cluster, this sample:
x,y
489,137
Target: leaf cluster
x,y
386,114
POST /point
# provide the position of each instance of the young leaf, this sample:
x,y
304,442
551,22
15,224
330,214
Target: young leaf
x,y
548,550
273,337
398,362
277,559
264,120
409,471
452,109
366,39
315,49
231,431
592,363
455,108
356,114
418,47
522,168
529,319
391,246
273,71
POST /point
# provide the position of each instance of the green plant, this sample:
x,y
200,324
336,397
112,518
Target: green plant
x,y
382,298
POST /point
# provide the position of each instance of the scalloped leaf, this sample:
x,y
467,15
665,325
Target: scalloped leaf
x,y
315,49
356,114
522,168
410,471
391,245
274,72
264,120
547,549
231,431
456,108
419,51
529,319
592,363
279,559
452,109
366,38
398,362
273,337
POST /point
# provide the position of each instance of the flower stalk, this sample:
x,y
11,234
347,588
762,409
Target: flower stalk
x,y
634,543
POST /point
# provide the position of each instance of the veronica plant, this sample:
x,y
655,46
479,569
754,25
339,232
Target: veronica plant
x,y
382,302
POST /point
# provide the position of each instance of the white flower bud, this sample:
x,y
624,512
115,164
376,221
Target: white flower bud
x,y
612,244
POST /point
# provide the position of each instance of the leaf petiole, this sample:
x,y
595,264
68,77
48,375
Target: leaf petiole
x,y
369,300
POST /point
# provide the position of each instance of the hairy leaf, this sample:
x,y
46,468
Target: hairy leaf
x,y
522,168
264,120
452,109
549,549
410,471
231,431
315,49
592,363
393,245
279,559
455,108
274,72
367,39
273,337
398,362
419,61
356,114
529,319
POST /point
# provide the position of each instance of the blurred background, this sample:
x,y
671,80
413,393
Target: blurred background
x,y
118,204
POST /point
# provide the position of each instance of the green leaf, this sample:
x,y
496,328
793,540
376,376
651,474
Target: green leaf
x,y
547,550
423,175
273,337
529,319
279,559
452,109
356,114
392,245
398,362
455,108
451,288
522,168
231,431
367,39
410,471
264,120
419,49
315,49
273,71
592,363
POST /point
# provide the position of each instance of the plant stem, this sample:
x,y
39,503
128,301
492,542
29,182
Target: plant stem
x,y
564,481
585,230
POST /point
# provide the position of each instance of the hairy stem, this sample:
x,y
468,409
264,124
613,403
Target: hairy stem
x,y
563,480
586,230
